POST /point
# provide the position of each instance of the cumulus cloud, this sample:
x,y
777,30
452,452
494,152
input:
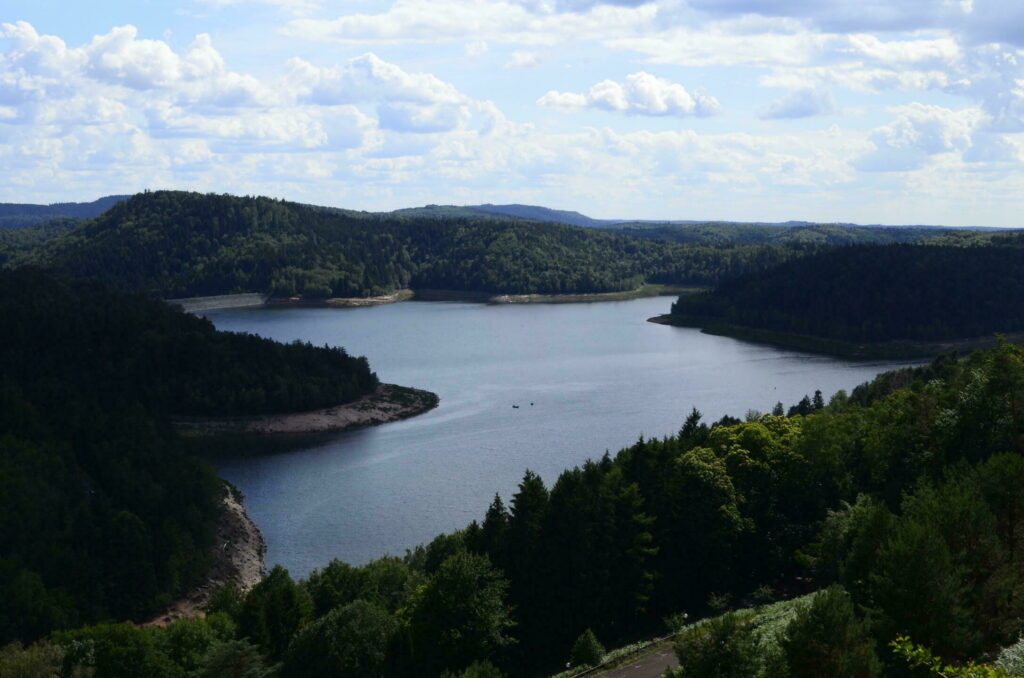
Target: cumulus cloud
x,y
802,103
186,104
919,132
640,94
368,78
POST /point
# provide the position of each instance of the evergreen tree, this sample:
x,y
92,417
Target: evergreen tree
x,y
587,650
826,638
274,611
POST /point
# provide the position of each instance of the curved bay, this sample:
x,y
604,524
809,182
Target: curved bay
x,y
598,376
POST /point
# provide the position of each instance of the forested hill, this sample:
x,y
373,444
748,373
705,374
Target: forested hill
x,y
177,244
875,294
92,339
102,513
18,215
517,211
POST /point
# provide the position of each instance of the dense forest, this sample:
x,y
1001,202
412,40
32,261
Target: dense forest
x,y
177,244
18,242
85,336
822,235
906,497
876,293
103,513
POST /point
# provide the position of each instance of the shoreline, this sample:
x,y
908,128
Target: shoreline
x,y
388,403
888,350
239,558
255,300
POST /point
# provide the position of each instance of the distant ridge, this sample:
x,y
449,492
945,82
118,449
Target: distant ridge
x,y
574,218
538,213
20,215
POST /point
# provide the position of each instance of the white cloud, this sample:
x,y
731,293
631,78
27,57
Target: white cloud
x,y
801,103
523,59
367,78
919,132
347,125
942,51
640,94
500,21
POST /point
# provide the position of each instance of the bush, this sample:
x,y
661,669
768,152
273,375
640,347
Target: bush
x,y
587,650
723,647
350,641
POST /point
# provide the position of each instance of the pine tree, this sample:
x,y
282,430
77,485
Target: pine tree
x,y
826,638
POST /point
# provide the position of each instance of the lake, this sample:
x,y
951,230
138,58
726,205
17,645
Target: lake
x,y
587,378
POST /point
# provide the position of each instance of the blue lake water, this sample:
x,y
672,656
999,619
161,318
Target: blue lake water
x,y
598,376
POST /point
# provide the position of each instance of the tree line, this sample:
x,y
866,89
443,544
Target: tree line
x,y
876,293
177,244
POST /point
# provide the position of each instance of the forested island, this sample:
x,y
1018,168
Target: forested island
x,y
893,300
105,512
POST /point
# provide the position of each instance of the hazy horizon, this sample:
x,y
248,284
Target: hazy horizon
x,y
872,112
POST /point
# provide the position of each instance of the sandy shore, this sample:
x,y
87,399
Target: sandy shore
x,y
388,403
238,559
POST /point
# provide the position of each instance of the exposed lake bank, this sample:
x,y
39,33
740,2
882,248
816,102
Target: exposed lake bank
x,y
389,402
254,300
239,559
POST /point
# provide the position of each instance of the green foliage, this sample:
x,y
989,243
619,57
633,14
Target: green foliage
x,y
235,659
817,235
460,615
920,657
117,651
826,638
1011,659
126,347
723,647
476,670
274,611
103,513
188,642
875,293
348,642
587,650
187,244
40,660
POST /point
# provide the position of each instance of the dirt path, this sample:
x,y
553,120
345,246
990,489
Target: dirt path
x,y
388,403
239,552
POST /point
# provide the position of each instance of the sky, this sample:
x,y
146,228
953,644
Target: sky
x,y
867,111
